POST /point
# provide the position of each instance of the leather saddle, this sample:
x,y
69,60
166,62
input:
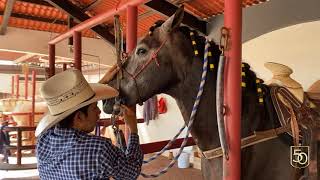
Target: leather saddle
x,y
306,125
283,99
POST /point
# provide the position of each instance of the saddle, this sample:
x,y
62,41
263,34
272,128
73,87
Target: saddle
x,y
304,121
314,93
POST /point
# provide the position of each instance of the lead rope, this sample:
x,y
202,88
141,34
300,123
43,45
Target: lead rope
x,y
192,116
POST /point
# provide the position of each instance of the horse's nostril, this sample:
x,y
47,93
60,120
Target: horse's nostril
x,y
108,105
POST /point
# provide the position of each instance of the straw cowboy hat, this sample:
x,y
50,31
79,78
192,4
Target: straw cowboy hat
x,y
281,75
67,92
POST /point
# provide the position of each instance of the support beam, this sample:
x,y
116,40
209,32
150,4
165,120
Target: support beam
x,y
52,60
6,16
24,58
232,90
80,16
17,86
34,18
17,69
168,9
64,66
131,34
39,2
94,21
33,97
26,84
77,50
70,25
93,5
12,85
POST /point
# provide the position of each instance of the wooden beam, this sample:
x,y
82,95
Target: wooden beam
x,y
39,2
24,58
168,9
34,18
6,16
92,5
80,16
17,69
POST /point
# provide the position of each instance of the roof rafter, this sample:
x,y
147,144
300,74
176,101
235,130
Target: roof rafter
x,y
6,16
35,18
80,16
168,9
43,3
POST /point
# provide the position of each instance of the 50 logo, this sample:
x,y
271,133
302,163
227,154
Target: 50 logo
x,y
299,156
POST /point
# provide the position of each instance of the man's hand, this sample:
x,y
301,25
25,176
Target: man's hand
x,y
130,118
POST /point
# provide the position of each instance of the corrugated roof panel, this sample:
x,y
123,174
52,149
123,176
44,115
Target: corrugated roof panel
x,y
41,26
39,11
202,9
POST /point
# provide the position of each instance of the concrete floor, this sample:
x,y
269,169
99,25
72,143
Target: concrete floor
x,y
174,173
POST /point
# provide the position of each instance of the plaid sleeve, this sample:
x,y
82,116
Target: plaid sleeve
x,y
122,165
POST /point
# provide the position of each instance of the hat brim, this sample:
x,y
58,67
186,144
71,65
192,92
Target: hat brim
x,y
101,92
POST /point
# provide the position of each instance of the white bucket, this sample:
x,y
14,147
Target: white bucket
x,y
184,160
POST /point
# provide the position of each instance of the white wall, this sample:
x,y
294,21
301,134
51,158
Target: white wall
x,y
161,129
295,46
25,40
165,127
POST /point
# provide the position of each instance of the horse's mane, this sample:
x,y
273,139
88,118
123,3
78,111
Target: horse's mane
x,y
249,78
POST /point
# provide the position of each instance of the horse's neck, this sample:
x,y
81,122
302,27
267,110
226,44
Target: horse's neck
x,y
204,129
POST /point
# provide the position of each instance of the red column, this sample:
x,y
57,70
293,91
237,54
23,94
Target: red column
x,y
12,86
26,81
17,87
64,66
233,22
77,49
52,56
131,37
33,96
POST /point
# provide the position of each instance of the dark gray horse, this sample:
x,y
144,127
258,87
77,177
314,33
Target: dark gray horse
x,y
164,62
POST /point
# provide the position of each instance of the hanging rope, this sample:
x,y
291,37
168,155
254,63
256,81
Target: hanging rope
x,y
192,116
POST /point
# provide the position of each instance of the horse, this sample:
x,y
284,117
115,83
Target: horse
x,y
164,61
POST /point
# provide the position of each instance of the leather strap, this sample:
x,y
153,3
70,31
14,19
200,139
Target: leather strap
x,y
259,136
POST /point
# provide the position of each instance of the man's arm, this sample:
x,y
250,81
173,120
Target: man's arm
x,y
126,165
122,165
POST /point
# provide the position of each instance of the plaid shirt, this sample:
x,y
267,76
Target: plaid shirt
x,y
71,154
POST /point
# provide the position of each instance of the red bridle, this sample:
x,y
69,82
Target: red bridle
x,y
152,58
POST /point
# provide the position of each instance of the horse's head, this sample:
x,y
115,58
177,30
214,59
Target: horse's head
x,y
152,66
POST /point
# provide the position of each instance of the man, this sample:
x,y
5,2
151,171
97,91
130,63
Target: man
x,y
65,150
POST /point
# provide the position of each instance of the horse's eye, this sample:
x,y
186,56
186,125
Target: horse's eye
x,y
141,51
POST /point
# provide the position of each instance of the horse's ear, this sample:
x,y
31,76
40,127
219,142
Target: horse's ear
x,y
174,21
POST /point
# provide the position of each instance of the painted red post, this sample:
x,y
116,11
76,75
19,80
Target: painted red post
x,y
26,81
12,86
131,37
132,28
233,22
64,66
33,96
52,59
77,49
17,86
